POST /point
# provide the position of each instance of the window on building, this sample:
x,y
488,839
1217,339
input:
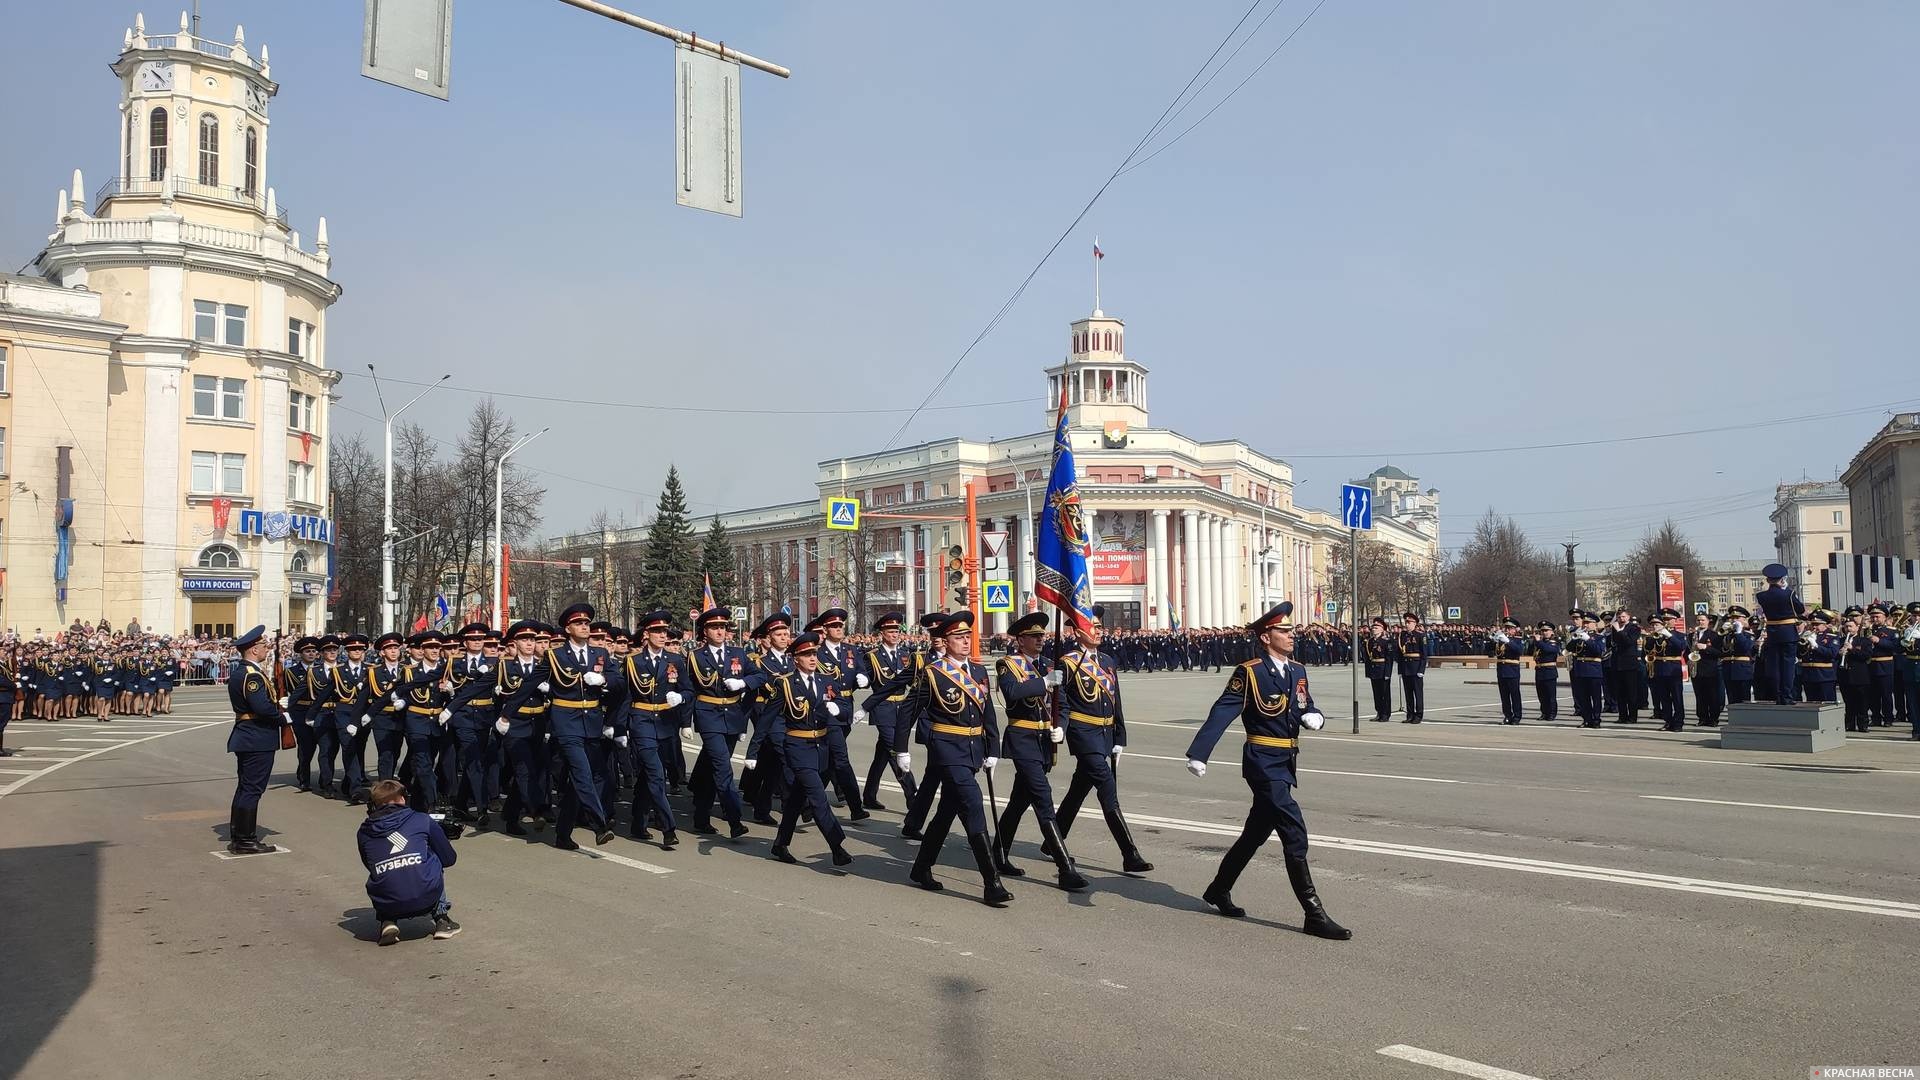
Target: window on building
x,y
235,318
3,369
253,160
219,557
1837,519
1839,542
300,411
299,481
209,150
233,399
157,144
206,320
3,451
298,564
300,338
206,395
219,474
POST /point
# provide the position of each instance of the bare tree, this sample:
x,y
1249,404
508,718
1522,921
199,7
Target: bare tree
x,y
1500,567
355,479
1636,577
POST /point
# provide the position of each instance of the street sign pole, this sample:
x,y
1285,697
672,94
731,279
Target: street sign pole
x,y
1353,613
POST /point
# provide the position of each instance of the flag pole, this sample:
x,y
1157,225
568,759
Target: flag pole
x,y
1096,275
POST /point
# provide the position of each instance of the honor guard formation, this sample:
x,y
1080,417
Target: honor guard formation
x,y
548,725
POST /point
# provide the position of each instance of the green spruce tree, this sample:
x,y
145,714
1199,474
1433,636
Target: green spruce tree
x,y
670,579
716,562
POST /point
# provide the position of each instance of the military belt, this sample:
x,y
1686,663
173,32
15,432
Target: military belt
x,y
1506,661
1783,622
575,703
1738,659
956,729
1273,741
712,699
533,710
806,733
1096,721
1030,725
422,710
481,701
650,706
901,696
1817,665
1883,659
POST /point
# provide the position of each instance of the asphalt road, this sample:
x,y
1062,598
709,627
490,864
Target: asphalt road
x,y
1542,900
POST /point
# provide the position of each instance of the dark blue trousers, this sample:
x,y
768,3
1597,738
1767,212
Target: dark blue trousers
x,y
472,757
1030,789
386,746
805,789
1273,811
650,782
305,741
1781,658
525,778
844,781
253,767
713,777
581,767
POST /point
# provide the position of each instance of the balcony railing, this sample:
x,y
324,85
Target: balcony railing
x,y
180,187
208,46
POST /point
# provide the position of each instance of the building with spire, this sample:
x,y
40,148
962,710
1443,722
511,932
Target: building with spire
x,y
165,405
1185,533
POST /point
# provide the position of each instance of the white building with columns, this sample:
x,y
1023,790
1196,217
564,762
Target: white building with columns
x,y
1185,533
164,370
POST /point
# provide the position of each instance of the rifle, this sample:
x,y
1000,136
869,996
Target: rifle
x,y
280,691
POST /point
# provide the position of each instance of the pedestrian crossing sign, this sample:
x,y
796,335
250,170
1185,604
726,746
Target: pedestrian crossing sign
x,y
843,514
996,596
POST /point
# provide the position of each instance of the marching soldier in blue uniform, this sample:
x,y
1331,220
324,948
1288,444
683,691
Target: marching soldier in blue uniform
x,y
303,693
1378,658
653,704
1783,611
1410,653
1589,668
521,692
1508,651
346,722
1269,697
890,670
426,693
471,716
1886,647
1096,723
1736,657
577,673
840,666
1545,650
912,717
962,735
1030,742
805,707
717,677
386,706
776,632
1703,661
255,738
1625,670
1666,650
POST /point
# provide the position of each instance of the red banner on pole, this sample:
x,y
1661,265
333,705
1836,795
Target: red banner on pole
x,y
1673,587
1119,567
222,509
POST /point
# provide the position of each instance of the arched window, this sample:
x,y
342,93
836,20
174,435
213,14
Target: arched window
x,y
219,557
209,150
157,144
297,564
253,160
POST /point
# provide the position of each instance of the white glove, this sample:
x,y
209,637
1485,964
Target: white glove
x,y
1058,735
544,688
283,701
607,732
399,702
859,680
753,763
620,740
833,708
594,678
1117,749
1313,721
859,715
736,685
445,686
446,715
308,721
990,763
905,761
1054,679
674,699
1197,768
352,730
502,726
363,719
548,737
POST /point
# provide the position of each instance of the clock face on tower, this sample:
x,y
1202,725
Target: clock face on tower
x,y
257,98
155,76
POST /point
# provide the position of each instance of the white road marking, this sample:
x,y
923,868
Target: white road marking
x,y
18,759
1360,740
1837,902
1329,772
624,861
113,744
17,772
1451,1064
278,849
1783,806
116,742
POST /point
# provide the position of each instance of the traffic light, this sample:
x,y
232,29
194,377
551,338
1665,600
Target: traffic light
x,y
962,598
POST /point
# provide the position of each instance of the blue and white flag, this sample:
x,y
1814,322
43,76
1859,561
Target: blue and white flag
x,y
1060,574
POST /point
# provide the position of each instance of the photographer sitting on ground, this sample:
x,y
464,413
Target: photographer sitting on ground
x,y
405,852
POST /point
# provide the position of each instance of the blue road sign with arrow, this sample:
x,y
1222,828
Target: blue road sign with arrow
x,y
1356,506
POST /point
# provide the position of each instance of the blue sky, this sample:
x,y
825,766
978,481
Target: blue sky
x,y
1422,228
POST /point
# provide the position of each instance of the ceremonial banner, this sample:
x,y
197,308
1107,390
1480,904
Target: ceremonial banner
x,y
1060,574
1673,587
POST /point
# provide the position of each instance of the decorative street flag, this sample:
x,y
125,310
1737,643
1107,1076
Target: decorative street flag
x,y
706,594
1060,575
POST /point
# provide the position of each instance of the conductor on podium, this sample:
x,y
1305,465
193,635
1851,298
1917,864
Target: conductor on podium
x,y
1783,612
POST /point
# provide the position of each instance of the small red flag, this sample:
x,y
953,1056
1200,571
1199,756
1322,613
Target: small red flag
x,y
1097,253
1504,612
306,446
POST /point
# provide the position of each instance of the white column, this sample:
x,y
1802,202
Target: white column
x,y
1232,552
1210,569
907,581
930,573
1190,577
1157,572
804,611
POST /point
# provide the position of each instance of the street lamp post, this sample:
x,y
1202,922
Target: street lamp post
x,y
499,535
389,603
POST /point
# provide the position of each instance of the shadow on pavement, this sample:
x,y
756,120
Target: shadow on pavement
x,y
51,899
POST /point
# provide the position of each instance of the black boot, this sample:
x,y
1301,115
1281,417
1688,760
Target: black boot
x,y
236,832
1000,860
1069,878
250,833
1131,860
996,893
1222,900
1317,923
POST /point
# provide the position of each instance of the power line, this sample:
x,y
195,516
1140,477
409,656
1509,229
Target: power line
x,y
1008,305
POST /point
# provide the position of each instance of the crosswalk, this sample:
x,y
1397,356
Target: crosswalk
x,y
41,748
